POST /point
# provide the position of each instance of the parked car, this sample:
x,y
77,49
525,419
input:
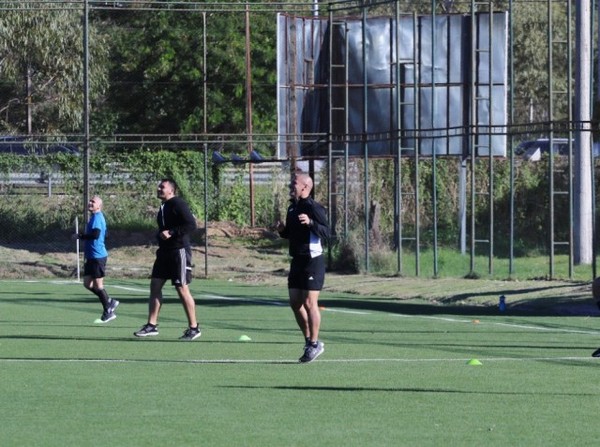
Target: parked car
x,y
19,145
533,150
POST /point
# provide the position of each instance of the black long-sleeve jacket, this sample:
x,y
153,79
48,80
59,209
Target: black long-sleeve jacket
x,y
306,240
175,216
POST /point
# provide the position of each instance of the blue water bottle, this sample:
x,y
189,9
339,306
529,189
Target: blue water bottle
x,y
502,303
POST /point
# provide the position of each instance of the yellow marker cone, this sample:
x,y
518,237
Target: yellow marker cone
x,y
245,338
474,362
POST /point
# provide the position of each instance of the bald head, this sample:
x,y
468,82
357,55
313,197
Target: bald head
x,y
301,186
95,204
308,182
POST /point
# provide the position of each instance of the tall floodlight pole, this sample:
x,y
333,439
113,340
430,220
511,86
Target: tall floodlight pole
x,y
433,142
583,138
249,129
86,110
205,129
365,124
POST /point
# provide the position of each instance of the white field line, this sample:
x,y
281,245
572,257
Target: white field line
x,y
245,300
57,281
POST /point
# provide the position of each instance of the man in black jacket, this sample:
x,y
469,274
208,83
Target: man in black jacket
x,y
307,229
173,260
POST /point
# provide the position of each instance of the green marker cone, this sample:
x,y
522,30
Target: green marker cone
x,y
474,362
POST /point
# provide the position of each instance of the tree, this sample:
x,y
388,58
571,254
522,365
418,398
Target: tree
x,y
532,77
41,67
157,74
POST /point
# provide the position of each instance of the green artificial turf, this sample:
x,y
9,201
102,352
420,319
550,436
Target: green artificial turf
x,y
392,374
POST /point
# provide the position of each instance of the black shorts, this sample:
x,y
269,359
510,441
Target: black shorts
x,y
175,265
96,268
307,273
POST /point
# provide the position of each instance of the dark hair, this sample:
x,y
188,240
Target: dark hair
x,y
171,182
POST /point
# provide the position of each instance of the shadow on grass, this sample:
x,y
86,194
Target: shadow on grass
x,y
539,307
578,305
401,390
547,307
524,292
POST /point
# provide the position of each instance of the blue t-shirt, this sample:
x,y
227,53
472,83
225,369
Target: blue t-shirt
x,y
95,248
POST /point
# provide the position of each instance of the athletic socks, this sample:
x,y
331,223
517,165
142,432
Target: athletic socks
x,y
308,343
102,296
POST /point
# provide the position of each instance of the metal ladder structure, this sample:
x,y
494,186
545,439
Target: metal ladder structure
x,y
401,196
339,140
564,192
338,159
481,136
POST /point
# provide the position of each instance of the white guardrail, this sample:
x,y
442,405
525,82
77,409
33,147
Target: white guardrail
x,y
261,174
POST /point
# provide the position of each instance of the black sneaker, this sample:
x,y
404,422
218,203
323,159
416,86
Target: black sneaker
x,y
596,353
148,330
312,352
112,306
191,333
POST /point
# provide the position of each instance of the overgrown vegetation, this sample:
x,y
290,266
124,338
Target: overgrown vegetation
x,y
127,180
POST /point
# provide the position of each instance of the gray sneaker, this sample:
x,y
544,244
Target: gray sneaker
x,y
147,330
191,333
312,352
112,306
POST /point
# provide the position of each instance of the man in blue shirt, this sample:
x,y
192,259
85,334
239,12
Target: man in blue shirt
x,y
95,255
